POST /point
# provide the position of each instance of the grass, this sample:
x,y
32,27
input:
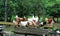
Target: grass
x,y
9,28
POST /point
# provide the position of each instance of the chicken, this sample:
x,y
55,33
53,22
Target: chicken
x,y
33,21
19,20
33,18
23,23
49,21
15,23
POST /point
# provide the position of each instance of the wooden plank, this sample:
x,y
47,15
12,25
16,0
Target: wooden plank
x,y
48,25
6,23
36,31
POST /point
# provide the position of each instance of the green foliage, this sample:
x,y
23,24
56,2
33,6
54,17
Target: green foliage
x,y
13,17
42,19
58,1
31,7
54,28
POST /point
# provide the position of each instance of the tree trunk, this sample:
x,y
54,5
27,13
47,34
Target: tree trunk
x,y
57,19
54,19
5,10
39,11
34,13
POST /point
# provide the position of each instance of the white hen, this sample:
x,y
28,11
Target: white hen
x,y
33,18
24,23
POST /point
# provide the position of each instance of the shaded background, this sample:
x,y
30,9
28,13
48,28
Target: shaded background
x,y
10,8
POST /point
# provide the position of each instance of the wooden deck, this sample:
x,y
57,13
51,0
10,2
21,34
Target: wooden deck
x,y
31,31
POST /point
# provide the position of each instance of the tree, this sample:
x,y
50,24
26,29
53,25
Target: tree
x,y
30,7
